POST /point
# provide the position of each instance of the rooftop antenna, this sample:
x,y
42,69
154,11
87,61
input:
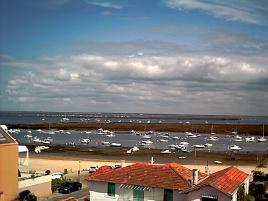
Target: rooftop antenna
x,y
152,160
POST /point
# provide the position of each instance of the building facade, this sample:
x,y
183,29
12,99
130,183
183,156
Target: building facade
x,y
8,166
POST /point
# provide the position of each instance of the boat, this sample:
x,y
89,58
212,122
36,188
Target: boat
x,y
39,130
146,136
237,138
46,141
165,152
147,142
250,139
38,149
114,144
262,139
235,147
208,145
134,149
176,138
217,162
110,135
36,140
184,143
28,136
105,143
163,140
64,119
182,157
213,138
85,140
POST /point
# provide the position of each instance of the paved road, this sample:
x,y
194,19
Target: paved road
x,y
77,194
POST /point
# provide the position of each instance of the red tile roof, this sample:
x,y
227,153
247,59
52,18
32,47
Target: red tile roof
x,y
226,180
169,176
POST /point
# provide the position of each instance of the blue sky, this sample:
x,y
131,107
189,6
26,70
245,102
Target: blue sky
x,y
161,56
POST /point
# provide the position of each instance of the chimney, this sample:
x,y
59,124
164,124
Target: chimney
x,y
195,176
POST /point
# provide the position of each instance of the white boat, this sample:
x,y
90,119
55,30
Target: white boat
x,y
182,157
64,119
134,149
237,138
29,131
129,151
46,142
234,132
165,152
208,145
146,136
85,140
213,138
87,132
37,140
262,139
217,162
176,138
188,133
147,142
110,135
114,144
163,140
199,146
28,136
105,143
184,143
250,139
51,132
38,149
235,147
39,130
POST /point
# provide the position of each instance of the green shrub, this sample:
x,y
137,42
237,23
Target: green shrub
x,y
56,183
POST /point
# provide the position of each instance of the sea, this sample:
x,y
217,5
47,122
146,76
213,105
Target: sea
x,y
128,139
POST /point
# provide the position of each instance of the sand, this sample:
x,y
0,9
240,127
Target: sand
x,y
57,163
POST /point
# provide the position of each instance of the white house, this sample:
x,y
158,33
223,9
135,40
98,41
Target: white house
x,y
169,182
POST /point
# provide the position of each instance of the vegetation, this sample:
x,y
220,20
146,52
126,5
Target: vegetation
x,y
56,183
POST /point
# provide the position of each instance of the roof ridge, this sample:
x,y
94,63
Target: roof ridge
x,y
173,168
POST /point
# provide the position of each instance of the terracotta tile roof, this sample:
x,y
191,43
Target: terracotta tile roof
x,y
170,176
226,180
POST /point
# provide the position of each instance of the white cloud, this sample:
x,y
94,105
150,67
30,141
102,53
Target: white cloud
x,y
104,4
229,10
169,83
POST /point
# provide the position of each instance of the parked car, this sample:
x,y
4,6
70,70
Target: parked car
x,y
68,187
92,168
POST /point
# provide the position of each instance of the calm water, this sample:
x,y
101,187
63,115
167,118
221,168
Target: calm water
x,y
129,140
51,117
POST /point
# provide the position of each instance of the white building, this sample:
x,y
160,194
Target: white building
x,y
170,182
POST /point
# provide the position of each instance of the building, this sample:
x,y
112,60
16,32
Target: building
x,y
8,166
169,182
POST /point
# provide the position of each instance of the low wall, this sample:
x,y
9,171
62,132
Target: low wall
x,y
40,186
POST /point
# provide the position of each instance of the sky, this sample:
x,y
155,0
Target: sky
x,y
144,56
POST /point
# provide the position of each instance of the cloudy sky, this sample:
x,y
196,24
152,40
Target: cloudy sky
x,y
156,56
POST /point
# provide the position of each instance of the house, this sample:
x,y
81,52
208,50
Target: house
x,y
168,182
8,166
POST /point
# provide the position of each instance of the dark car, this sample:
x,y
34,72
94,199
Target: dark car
x,y
68,187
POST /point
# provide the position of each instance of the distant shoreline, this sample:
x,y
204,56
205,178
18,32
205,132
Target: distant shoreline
x,y
241,129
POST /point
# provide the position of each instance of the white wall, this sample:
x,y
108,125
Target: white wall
x,y
98,192
196,195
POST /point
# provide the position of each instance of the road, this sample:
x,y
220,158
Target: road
x,y
80,195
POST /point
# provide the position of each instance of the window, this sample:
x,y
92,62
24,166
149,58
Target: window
x,y
168,195
138,195
111,189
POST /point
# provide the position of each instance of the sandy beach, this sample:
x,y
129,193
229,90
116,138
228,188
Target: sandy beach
x,y
73,160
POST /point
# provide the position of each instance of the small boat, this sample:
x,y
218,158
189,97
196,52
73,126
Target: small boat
x,y
38,149
64,119
28,136
37,140
217,162
250,139
39,130
208,145
146,136
165,152
105,143
187,150
176,138
163,140
85,140
262,139
213,138
184,143
237,138
51,132
182,157
199,146
46,142
114,144
147,142
134,149
235,147
110,135
68,133
29,131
